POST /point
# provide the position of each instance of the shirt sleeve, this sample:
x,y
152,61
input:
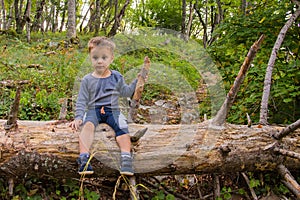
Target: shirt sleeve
x,y
82,100
124,89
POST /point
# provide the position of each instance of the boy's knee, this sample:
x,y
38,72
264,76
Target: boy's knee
x,y
89,125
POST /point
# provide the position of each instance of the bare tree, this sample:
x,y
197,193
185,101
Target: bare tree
x,y
97,17
27,19
71,27
63,16
3,20
37,21
189,24
268,77
183,17
18,5
208,18
118,17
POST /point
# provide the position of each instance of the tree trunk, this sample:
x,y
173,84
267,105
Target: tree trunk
x,y
37,24
189,25
17,16
203,23
118,17
62,24
183,17
71,33
10,17
3,20
51,149
27,20
84,18
268,77
97,18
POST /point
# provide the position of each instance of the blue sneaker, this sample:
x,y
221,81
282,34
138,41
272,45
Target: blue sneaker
x,y
126,166
84,165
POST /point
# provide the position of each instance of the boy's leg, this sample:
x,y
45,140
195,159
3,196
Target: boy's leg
x,y
124,142
118,122
86,138
126,158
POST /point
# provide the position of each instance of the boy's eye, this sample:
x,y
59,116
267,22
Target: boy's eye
x,y
95,57
104,57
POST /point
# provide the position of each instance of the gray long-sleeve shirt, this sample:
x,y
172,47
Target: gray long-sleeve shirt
x,y
98,92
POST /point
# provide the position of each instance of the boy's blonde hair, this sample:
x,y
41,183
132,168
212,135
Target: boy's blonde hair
x,y
101,42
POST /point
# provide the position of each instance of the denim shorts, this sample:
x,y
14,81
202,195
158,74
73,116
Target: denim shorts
x,y
113,117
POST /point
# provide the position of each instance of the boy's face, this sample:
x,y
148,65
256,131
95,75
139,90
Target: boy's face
x,y
101,58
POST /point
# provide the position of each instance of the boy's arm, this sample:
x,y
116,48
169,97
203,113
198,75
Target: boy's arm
x,y
82,100
127,90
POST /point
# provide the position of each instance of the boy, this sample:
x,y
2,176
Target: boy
x,y
98,99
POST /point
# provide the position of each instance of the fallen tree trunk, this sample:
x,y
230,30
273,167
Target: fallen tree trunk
x,y
51,149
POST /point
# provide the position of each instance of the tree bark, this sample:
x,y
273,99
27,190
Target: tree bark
x,y
268,77
50,149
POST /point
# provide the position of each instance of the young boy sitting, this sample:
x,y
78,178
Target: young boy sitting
x,y
98,100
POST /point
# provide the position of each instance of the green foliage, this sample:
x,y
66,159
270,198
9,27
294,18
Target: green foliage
x,y
225,193
51,76
157,13
160,195
236,35
33,189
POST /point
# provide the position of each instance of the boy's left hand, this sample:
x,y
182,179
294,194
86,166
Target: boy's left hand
x,y
75,124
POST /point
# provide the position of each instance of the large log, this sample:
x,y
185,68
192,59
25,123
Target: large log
x,y
50,149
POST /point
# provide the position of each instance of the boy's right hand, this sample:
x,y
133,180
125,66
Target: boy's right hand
x,y
75,124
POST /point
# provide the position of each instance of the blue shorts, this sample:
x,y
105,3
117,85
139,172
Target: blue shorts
x,y
114,118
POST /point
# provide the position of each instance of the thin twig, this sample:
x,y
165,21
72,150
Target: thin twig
x,y
134,193
169,191
250,188
217,188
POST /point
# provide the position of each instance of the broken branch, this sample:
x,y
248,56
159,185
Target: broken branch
x,y
289,129
220,118
289,180
134,103
287,153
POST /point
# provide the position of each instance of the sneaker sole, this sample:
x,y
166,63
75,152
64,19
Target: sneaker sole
x,y
127,173
86,172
